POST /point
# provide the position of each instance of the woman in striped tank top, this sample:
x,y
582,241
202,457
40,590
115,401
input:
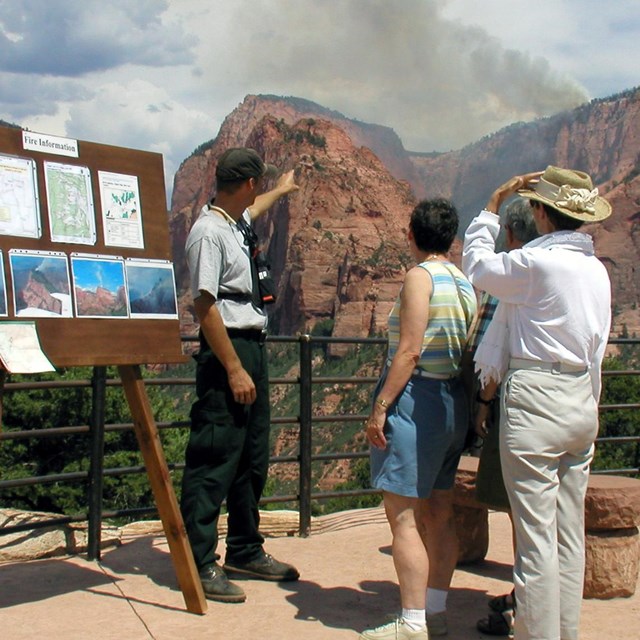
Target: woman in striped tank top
x,y
418,423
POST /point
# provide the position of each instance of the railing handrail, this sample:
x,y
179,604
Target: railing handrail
x,y
305,379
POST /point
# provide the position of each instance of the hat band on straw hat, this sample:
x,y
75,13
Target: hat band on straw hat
x,y
568,197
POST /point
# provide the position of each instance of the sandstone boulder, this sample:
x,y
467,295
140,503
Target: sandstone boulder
x,y
612,502
612,563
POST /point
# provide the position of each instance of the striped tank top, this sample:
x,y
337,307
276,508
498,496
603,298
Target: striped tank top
x,y
450,316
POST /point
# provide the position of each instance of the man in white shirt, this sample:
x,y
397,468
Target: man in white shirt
x,y
554,325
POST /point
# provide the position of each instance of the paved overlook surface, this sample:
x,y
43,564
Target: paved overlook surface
x,y
347,584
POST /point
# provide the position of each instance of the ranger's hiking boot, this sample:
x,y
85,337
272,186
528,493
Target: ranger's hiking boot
x,y
217,587
264,567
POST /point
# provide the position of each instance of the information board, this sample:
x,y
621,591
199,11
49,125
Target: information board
x,y
85,250
87,274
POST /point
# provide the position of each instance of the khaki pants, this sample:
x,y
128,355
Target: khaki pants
x,y
549,421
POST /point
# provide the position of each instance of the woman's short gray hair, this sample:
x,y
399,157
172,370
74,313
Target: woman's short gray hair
x,y
519,218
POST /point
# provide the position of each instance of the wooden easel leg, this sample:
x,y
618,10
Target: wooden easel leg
x,y
158,472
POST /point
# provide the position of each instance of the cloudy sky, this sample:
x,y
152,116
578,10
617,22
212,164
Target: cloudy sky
x,y
161,75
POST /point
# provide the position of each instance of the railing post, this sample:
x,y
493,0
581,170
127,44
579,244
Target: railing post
x,y
98,394
305,435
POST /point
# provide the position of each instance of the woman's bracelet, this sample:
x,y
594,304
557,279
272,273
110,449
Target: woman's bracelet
x,y
382,402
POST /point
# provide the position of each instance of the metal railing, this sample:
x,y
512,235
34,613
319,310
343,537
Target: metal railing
x,y
304,458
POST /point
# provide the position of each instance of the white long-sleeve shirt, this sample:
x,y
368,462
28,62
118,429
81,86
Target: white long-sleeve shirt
x,y
558,294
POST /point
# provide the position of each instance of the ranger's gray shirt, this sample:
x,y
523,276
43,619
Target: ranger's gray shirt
x,y
219,262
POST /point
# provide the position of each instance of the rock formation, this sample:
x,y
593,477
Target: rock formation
x,y
101,302
338,246
601,138
36,295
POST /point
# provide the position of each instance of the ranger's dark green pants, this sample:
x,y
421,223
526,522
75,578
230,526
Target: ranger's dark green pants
x,y
227,456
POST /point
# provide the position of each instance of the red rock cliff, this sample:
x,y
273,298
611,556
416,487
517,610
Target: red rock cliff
x,y
338,245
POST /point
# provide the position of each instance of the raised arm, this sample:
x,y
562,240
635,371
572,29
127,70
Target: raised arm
x,y
500,274
510,187
286,184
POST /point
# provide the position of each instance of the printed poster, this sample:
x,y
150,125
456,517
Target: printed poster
x,y
121,214
71,211
19,208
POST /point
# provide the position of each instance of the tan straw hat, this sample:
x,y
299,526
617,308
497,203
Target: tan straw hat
x,y
569,192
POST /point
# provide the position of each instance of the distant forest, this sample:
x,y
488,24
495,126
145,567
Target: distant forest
x,y
52,408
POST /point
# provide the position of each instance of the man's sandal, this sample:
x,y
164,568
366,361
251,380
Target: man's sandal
x,y
503,602
496,624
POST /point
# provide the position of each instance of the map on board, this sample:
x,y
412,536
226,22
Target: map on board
x,y
19,214
71,216
20,350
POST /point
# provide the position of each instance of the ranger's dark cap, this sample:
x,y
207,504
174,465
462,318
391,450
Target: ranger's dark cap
x,y
241,163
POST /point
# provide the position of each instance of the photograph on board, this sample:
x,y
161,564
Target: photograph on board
x,y
99,287
3,288
41,285
152,289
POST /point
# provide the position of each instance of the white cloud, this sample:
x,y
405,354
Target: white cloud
x,y
161,75
140,111
79,36
22,96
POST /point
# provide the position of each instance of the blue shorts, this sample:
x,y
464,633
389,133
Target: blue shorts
x,y
425,429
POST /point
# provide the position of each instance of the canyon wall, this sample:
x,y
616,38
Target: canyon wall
x,y
338,246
